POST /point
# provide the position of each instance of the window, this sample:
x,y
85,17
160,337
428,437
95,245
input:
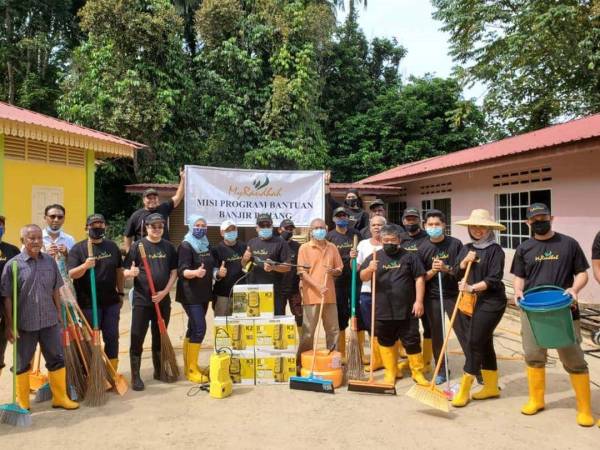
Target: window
x,y
395,210
511,211
444,205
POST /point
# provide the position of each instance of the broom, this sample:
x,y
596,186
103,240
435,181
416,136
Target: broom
x,y
96,391
12,413
370,386
430,395
353,355
169,372
75,376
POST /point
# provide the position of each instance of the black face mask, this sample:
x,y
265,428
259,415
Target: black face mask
x,y
96,233
352,203
286,235
541,227
411,228
391,249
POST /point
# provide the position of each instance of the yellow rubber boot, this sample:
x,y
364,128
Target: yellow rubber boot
x,y
114,362
401,350
399,371
23,390
581,385
389,357
361,347
416,369
192,372
341,345
490,386
184,351
536,379
58,386
377,364
463,396
427,354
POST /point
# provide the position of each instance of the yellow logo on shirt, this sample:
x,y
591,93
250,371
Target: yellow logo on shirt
x,y
344,245
261,252
392,265
411,248
442,255
233,258
547,256
158,255
103,255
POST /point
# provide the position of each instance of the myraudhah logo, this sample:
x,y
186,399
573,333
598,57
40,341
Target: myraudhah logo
x,y
259,188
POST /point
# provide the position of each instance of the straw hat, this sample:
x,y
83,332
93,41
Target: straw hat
x,y
481,218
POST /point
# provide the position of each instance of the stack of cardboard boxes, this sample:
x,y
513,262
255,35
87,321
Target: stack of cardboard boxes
x,y
263,346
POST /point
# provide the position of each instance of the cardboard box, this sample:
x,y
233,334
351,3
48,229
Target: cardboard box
x,y
242,367
253,300
278,333
236,334
275,367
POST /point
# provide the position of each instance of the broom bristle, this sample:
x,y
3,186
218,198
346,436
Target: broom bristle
x,y
95,394
354,361
43,394
429,396
12,414
75,377
169,372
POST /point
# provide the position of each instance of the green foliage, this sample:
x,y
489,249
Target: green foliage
x,y
539,59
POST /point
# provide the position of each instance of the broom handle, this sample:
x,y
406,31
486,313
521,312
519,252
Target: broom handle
x,y
90,248
14,324
372,343
161,323
443,314
36,360
316,340
449,332
353,321
77,342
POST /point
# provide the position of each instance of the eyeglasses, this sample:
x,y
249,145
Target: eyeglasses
x,y
54,217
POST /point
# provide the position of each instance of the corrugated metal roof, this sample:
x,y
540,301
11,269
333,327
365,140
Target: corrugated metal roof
x,y
16,114
573,131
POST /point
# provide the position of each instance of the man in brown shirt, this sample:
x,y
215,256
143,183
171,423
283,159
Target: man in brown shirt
x,y
319,261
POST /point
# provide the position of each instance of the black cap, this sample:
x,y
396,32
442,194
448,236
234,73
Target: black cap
x,y
537,209
339,209
149,191
95,218
411,212
286,223
264,217
154,218
376,202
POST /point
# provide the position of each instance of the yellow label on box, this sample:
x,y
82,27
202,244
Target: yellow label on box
x,y
253,300
236,334
275,334
273,368
242,367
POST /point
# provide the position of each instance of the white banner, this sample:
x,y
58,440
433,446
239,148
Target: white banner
x,y
241,195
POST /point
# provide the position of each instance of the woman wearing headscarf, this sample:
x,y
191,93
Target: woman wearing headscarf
x,y
485,282
194,291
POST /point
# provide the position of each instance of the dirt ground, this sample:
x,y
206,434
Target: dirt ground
x,y
276,417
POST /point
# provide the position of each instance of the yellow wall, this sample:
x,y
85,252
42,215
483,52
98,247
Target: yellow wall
x,y
20,176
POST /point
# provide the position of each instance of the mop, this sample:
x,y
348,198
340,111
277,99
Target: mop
x,y
430,395
312,382
12,413
370,386
354,357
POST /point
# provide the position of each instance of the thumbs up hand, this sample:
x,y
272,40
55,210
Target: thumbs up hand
x,y
133,271
201,271
222,270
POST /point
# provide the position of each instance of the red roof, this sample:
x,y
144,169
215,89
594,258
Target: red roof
x,y
575,130
14,113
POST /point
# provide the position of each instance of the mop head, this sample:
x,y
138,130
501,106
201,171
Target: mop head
x,y
43,394
13,414
312,383
430,396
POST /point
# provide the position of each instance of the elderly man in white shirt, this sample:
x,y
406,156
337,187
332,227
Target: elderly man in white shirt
x,y
55,239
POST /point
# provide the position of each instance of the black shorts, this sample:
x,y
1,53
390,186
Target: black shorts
x,y
389,331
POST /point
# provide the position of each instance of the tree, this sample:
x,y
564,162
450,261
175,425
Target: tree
x,y
538,59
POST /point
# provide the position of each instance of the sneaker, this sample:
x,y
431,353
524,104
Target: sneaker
x,y
441,379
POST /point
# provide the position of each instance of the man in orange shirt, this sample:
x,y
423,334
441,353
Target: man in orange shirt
x,y
318,263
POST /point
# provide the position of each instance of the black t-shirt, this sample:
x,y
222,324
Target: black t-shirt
x,y
411,243
344,243
275,249
359,219
489,267
162,258
395,284
135,227
290,281
194,291
7,251
108,261
447,251
554,261
232,255
596,247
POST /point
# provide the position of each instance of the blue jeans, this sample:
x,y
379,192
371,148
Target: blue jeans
x,y
196,329
365,310
108,322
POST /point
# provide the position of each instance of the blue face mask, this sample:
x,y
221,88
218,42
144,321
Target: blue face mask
x,y
230,235
199,232
434,232
51,231
1,232
265,233
342,223
319,234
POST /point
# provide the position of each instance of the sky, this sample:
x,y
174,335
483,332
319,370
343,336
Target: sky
x,y
410,22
